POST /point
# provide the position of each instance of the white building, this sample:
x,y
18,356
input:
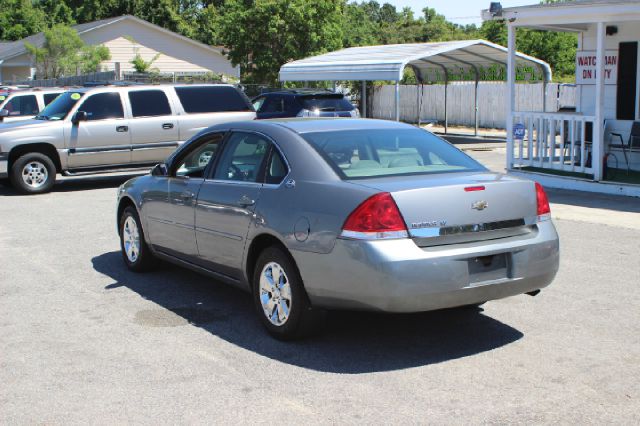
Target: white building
x,y
582,150
125,36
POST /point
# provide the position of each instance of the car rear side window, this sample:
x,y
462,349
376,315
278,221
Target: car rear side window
x,y
49,97
103,106
149,103
273,104
327,103
203,99
22,105
276,169
357,154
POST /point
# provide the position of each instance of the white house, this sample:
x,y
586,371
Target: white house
x,y
125,36
581,149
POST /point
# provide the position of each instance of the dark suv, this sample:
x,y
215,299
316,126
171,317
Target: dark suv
x,y
303,103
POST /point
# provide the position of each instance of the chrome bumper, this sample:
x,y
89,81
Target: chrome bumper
x,y
4,165
399,276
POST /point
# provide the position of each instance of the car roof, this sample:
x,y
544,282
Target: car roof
x,y
309,125
133,87
38,90
304,92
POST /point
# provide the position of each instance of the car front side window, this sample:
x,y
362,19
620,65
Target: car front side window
x,y
22,105
103,106
200,154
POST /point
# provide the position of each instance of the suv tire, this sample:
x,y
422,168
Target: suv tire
x,y
33,173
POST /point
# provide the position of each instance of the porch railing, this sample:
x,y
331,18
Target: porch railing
x,y
554,141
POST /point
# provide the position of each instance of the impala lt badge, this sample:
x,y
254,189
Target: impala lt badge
x,y
480,205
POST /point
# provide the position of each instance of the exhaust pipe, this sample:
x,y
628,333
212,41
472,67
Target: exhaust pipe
x,y
533,293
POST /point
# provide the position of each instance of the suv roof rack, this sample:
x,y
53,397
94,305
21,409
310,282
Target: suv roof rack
x,y
111,83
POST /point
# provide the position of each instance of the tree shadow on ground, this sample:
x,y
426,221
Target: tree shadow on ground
x,y
352,342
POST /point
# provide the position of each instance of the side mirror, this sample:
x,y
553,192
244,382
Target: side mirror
x,y
160,170
79,116
3,113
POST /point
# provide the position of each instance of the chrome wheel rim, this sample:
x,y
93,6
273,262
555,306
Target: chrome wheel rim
x,y
34,174
131,239
275,293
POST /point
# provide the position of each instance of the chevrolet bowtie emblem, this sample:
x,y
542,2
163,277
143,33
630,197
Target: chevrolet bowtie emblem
x,y
480,205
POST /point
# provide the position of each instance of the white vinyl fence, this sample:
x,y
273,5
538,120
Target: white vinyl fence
x,y
460,104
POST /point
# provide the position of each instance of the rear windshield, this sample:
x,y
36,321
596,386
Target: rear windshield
x,y
327,103
60,106
357,154
200,99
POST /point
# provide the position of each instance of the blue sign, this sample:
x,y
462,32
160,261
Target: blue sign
x,y
518,131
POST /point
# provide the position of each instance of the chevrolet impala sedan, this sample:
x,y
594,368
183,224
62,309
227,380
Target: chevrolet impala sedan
x,y
316,214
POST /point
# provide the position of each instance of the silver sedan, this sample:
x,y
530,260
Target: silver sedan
x,y
310,215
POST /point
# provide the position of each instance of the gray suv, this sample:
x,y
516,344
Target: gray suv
x,y
92,130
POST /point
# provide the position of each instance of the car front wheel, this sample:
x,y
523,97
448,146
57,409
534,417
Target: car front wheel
x,y
280,299
33,173
135,252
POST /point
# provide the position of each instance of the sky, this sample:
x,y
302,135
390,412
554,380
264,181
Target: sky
x,y
459,11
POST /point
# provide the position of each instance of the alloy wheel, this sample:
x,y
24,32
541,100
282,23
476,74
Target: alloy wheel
x,y
131,239
275,293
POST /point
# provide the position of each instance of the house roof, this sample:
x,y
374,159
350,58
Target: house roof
x,y
568,16
16,48
387,62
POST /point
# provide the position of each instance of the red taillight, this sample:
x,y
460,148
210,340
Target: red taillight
x,y
377,217
544,211
474,188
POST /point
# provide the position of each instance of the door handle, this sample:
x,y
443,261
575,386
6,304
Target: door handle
x,y
167,126
245,201
122,129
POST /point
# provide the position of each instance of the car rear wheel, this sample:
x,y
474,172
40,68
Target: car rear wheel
x,y
135,252
33,173
280,299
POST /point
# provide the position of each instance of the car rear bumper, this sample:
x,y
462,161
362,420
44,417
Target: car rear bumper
x,y
399,276
4,165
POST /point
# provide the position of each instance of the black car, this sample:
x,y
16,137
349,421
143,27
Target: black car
x,y
303,103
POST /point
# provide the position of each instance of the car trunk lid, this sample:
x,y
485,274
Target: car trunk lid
x,y
461,207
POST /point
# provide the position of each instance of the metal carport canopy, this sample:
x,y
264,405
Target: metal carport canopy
x,y
387,62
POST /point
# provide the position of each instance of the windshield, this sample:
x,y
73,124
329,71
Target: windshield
x,y
3,99
327,103
60,107
357,154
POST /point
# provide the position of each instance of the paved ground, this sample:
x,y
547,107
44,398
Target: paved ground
x,y
82,340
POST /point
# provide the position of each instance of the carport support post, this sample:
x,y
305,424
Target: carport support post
x,y
511,90
475,103
598,126
398,100
363,99
446,116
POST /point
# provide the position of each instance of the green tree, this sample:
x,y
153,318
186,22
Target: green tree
x,y
92,56
19,19
262,35
142,66
558,49
64,53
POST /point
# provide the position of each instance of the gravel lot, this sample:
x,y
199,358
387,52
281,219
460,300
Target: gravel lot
x,y
82,340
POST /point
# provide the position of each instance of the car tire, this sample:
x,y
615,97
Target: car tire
x,y
6,182
33,173
281,302
133,247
